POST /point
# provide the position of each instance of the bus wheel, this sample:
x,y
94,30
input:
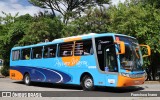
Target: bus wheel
x,y
87,83
27,79
157,77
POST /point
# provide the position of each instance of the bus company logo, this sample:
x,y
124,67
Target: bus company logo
x,y
72,61
6,94
103,42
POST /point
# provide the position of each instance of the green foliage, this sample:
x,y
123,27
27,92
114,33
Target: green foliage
x,y
12,30
41,29
4,71
155,3
25,30
138,20
103,1
94,22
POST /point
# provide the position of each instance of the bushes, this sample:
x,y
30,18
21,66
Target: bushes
x,y
4,71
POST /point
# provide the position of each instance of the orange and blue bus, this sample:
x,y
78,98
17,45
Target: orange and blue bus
x,y
90,60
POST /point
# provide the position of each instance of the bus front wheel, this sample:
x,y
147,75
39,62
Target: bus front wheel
x,y
27,79
87,83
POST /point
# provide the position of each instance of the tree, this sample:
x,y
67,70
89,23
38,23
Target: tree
x,y
155,3
26,30
41,29
66,8
141,21
62,6
93,22
11,32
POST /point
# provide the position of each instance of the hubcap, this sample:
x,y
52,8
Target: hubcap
x,y
27,79
157,78
88,83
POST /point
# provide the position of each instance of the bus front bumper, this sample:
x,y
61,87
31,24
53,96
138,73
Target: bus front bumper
x,y
127,81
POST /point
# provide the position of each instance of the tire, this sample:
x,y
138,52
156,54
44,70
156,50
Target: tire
x,y
27,79
87,83
146,76
157,77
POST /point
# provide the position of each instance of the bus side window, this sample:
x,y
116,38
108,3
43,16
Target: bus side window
x,y
37,52
83,48
45,52
49,51
66,49
15,55
52,51
26,57
25,54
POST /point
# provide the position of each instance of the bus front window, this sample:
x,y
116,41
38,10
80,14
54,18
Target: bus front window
x,y
132,59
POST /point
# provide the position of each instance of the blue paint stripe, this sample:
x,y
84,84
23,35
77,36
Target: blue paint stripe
x,y
44,74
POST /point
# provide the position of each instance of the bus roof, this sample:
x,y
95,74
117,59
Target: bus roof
x,y
61,40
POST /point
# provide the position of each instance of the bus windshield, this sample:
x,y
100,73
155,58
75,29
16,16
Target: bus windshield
x,y
132,59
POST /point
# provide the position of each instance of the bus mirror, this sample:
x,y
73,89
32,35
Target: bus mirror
x,y
121,47
148,50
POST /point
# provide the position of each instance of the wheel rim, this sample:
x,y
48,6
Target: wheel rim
x,y
157,77
88,83
27,79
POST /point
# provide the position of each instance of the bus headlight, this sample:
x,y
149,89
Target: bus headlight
x,y
125,74
132,75
137,75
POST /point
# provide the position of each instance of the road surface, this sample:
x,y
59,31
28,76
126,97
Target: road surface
x,y
69,92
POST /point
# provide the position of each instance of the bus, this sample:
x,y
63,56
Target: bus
x,y
89,60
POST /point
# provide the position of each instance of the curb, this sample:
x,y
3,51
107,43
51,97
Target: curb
x,y
1,76
152,82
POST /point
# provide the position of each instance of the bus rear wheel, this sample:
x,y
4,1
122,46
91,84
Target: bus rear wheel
x,y
87,83
27,79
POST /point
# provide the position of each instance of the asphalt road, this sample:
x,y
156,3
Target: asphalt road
x,y
60,91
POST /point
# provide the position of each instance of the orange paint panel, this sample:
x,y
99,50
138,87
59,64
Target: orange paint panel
x,y
16,75
126,81
71,61
72,39
127,71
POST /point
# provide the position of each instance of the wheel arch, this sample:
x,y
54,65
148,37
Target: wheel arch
x,y
84,74
25,74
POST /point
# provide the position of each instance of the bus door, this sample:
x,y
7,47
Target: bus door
x,y
106,54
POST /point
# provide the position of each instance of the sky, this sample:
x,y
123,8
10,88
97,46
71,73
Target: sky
x,y
115,2
24,7
21,6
